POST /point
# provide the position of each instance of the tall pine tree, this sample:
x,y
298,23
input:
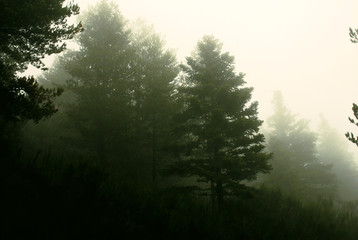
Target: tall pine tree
x,y
218,125
155,70
119,96
101,79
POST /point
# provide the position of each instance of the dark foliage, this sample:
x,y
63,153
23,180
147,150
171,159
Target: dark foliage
x,y
91,171
77,202
350,136
29,30
23,98
217,127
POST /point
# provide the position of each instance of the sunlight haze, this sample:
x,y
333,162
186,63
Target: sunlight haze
x,y
178,119
301,48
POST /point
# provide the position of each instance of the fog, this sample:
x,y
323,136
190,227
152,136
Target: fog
x,y
301,48
179,119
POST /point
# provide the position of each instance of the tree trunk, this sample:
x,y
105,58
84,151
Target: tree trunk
x,y
213,195
101,150
219,194
219,185
154,153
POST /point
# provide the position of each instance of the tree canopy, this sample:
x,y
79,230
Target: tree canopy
x,y
118,94
218,125
29,30
129,113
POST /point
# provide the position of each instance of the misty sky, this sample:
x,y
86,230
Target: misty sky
x,y
300,47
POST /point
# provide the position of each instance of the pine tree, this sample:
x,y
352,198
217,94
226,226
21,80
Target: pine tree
x,y
101,79
218,125
119,93
155,70
29,30
296,169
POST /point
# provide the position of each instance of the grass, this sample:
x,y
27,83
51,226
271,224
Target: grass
x,y
80,202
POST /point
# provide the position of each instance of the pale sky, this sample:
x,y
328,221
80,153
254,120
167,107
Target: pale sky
x,y
300,47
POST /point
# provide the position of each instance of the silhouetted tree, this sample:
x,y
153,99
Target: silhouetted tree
x,y
218,126
29,30
296,169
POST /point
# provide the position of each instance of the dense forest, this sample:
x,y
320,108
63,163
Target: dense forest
x,y
119,140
